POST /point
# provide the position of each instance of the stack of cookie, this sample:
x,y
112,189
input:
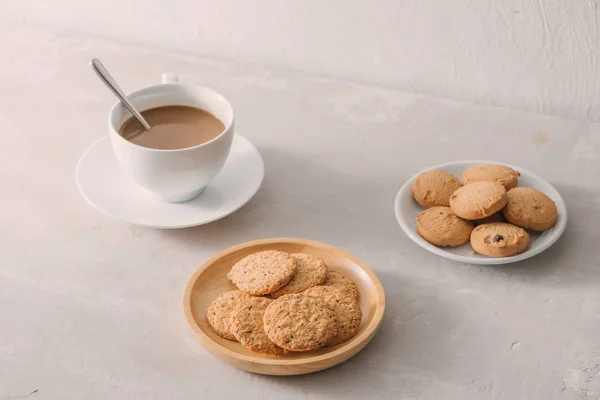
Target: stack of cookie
x,y
487,209
286,302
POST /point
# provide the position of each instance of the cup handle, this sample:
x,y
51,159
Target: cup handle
x,y
169,78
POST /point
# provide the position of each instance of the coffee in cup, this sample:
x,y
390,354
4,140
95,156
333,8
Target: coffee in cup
x,y
172,127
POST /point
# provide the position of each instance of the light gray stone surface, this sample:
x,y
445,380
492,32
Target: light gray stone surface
x,y
90,307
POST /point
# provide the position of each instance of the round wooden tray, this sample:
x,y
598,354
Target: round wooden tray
x,y
210,280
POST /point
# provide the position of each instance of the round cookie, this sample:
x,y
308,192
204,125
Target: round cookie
x,y
310,271
219,312
439,226
263,272
478,200
530,209
346,309
497,217
507,177
434,188
499,239
296,322
248,328
341,282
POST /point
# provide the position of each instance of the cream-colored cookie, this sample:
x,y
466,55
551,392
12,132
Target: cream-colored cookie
x,y
296,322
433,188
499,240
341,282
346,308
507,177
439,226
263,273
478,200
530,209
219,312
310,271
248,327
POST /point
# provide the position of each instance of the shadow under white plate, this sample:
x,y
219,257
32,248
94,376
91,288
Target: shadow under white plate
x,y
106,187
407,210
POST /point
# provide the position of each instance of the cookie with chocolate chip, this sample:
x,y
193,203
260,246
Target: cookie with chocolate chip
x,y
499,239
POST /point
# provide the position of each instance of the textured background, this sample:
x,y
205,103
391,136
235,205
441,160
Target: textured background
x,y
90,307
536,55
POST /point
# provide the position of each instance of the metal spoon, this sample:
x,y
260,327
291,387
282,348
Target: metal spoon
x,y
112,85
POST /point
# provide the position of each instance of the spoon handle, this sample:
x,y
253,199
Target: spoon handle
x,y
112,85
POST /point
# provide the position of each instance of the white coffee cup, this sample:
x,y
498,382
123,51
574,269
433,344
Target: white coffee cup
x,y
173,175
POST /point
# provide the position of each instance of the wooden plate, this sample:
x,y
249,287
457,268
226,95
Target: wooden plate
x,y
210,280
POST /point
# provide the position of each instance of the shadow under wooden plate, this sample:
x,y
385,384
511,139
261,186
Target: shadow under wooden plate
x,y
210,280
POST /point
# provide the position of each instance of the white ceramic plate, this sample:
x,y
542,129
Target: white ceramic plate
x,y
104,185
407,210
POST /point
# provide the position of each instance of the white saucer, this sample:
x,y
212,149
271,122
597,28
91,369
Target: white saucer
x,y
107,188
407,209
